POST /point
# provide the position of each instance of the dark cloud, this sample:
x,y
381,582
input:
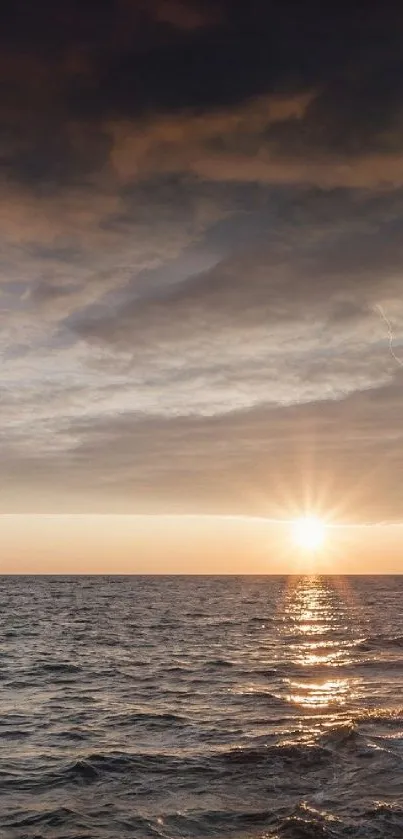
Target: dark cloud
x,y
75,75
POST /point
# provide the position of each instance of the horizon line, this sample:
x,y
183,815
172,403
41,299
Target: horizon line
x,y
220,516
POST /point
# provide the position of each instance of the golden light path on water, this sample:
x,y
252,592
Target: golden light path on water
x,y
321,636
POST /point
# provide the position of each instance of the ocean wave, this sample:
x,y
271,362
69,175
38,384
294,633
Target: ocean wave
x,y
383,642
57,667
216,822
261,619
148,718
308,823
219,662
380,664
292,754
45,818
14,734
390,716
93,767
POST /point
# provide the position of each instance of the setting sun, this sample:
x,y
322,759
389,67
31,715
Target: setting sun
x,y
308,533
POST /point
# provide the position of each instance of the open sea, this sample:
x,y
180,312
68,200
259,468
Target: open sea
x,y
201,706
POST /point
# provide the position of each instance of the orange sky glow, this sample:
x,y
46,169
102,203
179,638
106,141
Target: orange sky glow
x,y
124,544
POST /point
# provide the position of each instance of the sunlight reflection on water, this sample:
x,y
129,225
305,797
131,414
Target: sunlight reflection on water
x,y
320,694
317,619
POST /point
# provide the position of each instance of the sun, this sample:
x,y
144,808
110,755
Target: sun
x,y
309,533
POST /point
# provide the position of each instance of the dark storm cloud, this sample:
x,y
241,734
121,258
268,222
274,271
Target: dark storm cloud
x,y
75,76
201,209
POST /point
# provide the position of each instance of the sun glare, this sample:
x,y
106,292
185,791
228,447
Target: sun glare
x,y
308,533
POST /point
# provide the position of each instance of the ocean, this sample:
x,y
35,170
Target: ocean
x,y
201,706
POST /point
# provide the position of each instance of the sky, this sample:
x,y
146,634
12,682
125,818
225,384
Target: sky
x,y
201,291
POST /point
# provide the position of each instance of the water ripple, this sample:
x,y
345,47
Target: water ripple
x,y
198,707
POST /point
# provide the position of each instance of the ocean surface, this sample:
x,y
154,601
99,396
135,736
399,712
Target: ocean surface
x,y
201,706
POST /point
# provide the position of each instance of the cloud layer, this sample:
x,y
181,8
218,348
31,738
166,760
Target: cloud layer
x,y
201,214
